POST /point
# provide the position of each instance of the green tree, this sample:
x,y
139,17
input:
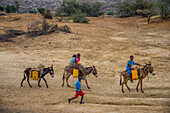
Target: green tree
x,y
1,8
41,10
10,9
163,8
80,17
126,9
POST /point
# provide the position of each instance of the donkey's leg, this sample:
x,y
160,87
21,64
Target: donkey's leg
x,y
125,79
29,82
127,86
23,80
87,84
39,82
45,82
67,79
138,85
63,80
141,87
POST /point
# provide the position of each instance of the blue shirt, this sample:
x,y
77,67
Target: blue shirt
x,y
78,85
72,60
129,63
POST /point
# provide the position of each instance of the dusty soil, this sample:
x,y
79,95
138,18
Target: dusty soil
x,y
105,42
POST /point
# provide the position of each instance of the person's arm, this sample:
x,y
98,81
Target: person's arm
x,y
137,64
76,85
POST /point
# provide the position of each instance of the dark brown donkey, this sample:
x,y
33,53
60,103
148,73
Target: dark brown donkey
x,y
49,70
144,72
69,72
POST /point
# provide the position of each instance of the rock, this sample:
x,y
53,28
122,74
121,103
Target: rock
x,y
25,46
49,43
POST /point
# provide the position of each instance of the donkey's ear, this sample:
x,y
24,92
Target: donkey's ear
x,y
52,65
145,63
150,62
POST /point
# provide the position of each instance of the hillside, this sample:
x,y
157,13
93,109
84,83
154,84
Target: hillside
x,y
29,5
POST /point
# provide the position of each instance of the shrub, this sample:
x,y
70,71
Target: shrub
x,y
163,8
1,8
79,17
89,8
10,9
34,12
47,14
41,10
110,13
126,9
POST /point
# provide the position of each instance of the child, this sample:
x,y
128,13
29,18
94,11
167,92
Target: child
x,y
73,60
129,65
79,66
79,92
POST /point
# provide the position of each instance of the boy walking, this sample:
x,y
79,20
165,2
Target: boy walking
x,y
79,92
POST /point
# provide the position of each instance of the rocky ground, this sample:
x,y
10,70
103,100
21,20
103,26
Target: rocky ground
x,y
107,43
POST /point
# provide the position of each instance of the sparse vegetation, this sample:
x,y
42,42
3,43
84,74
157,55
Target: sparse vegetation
x,y
34,12
41,10
126,9
1,8
80,17
163,8
110,13
47,14
79,10
10,9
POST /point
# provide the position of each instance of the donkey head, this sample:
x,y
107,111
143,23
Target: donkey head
x,y
94,71
51,71
150,68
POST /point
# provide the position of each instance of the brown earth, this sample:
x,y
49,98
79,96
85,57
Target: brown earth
x,y
105,42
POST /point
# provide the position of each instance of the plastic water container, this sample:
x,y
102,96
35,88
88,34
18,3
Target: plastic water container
x,y
35,75
134,74
75,73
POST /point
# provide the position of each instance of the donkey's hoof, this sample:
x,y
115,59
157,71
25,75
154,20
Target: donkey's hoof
x,y
62,85
30,86
137,90
39,86
88,87
129,90
68,86
123,92
142,91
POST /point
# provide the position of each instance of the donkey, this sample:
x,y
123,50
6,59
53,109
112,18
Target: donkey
x,y
69,72
144,72
45,72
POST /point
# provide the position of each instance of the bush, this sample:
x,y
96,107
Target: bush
x,y
41,10
163,8
1,8
34,12
47,14
126,9
10,9
79,17
69,7
110,13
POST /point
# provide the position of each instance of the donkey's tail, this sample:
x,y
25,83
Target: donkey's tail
x,y
64,74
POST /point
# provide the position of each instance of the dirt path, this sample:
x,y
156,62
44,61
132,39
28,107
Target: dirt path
x,y
104,42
